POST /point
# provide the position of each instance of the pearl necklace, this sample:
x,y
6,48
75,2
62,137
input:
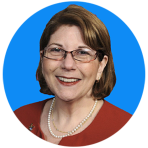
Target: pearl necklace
x,y
76,128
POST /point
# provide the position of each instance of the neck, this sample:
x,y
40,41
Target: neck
x,y
72,109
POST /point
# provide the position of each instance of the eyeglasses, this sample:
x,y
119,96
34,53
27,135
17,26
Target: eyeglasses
x,y
84,55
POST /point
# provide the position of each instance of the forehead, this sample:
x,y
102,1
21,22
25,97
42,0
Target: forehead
x,y
70,29
67,35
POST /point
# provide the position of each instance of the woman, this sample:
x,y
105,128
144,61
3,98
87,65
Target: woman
x,y
76,66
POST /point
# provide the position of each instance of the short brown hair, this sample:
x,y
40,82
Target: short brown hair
x,y
95,36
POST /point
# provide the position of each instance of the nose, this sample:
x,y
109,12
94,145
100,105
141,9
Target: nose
x,y
68,63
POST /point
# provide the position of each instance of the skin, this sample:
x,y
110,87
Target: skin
x,y
73,102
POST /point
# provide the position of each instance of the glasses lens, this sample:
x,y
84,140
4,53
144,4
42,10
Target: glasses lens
x,y
54,53
84,55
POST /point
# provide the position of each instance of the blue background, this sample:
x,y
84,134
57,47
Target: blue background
x,y
22,58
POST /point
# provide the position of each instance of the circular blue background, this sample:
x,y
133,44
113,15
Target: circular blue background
x,y
22,58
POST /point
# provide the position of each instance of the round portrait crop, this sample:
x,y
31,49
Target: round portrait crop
x,y
73,74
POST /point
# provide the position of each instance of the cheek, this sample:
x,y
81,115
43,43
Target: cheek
x,y
89,70
49,66
46,69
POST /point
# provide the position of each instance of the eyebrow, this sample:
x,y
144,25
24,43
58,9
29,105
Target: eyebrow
x,y
55,44
62,46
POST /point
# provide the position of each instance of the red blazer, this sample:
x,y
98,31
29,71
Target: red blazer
x,y
109,120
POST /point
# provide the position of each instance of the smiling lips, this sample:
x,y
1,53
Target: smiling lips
x,y
68,81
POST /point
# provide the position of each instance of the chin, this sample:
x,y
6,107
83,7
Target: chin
x,y
67,97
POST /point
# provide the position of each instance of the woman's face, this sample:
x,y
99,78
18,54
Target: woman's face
x,y
69,79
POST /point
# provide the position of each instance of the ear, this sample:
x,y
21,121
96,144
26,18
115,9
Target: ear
x,y
41,54
102,65
41,60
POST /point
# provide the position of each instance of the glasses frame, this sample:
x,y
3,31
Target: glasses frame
x,y
65,54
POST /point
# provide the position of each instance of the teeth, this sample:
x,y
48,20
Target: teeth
x,y
67,80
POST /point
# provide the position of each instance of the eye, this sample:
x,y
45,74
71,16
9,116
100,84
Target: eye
x,y
82,52
55,50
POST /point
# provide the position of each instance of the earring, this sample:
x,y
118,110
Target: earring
x,y
97,81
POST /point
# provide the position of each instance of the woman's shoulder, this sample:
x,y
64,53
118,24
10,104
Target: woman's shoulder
x,y
30,113
31,108
114,113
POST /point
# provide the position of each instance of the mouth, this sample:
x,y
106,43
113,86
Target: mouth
x,y
68,81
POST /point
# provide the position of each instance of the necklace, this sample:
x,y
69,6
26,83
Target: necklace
x,y
53,120
75,129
